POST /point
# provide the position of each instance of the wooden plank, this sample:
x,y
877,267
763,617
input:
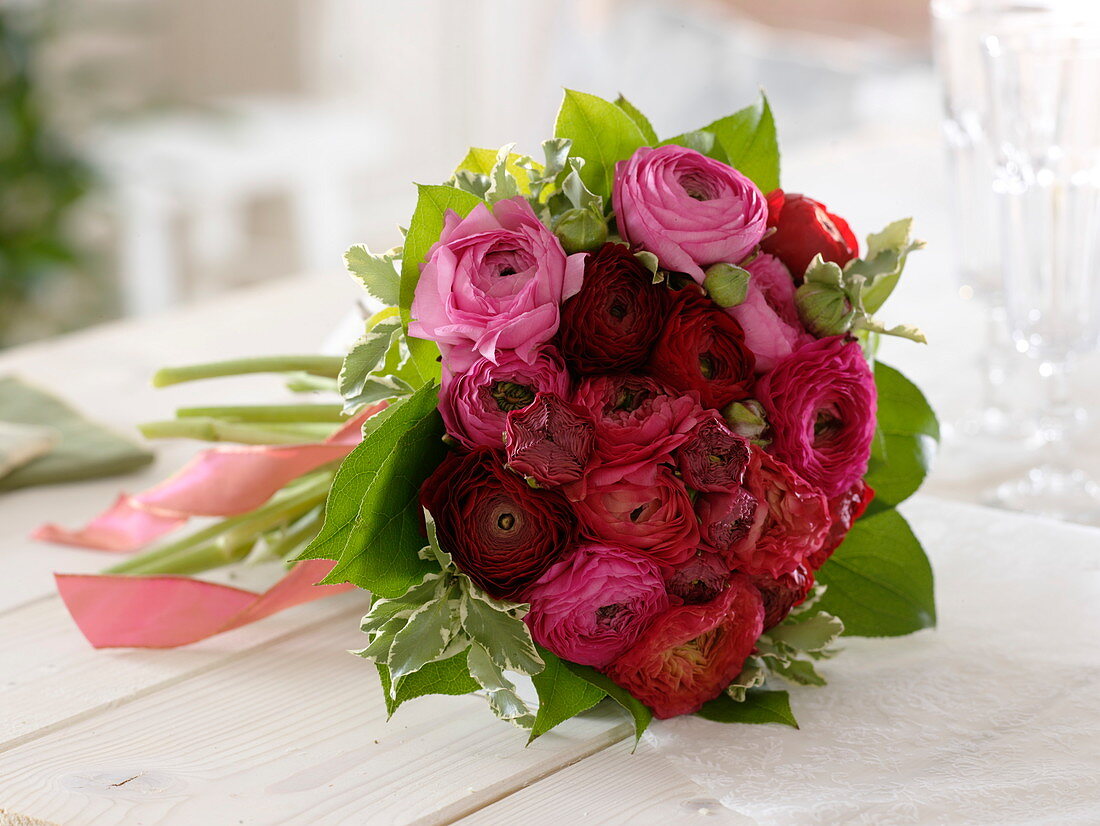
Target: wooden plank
x,y
105,373
295,733
611,786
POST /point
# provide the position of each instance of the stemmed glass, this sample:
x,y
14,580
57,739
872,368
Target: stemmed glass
x,y
1043,68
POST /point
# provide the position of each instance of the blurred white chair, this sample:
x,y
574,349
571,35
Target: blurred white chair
x,y
208,167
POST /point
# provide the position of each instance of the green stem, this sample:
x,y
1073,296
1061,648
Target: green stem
x,y
286,413
230,539
305,383
327,366
299,536
215,430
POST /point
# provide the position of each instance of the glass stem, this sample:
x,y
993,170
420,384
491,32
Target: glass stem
x,y
1058,412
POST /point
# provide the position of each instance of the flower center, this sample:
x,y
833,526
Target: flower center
x,y
506,521
607,614
706,365
827,425
618,309
511,396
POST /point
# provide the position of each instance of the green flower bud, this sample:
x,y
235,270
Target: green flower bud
x,y
728,285
580,230
746,419
825,310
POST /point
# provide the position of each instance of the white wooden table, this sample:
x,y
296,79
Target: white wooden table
x,y
275,722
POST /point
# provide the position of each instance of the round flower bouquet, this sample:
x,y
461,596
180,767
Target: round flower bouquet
x,y
619,430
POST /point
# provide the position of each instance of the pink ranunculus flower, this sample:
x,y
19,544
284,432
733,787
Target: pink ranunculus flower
x,y
768,314
639,422
590,607
550,441
475,403
820,402
791,521
494,281
654,518
689,210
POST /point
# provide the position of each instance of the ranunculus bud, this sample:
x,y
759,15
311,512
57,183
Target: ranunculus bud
x,y
593,605
691,653
713,458
746,419
805,228
610,325
702,348
700,579
550,440
501,532
825,310
580,230
726,284
781,594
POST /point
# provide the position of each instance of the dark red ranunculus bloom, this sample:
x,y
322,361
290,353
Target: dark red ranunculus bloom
x,y
501,532
700,579
844,510
689,654
702,348
804,228
727,517
782,593
714,458
550,440
610,325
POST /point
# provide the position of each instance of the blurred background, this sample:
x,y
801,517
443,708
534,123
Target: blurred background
x,y
158,153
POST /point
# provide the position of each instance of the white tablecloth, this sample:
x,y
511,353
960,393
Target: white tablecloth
x,y
991,718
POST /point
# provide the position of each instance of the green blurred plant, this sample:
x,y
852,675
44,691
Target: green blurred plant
x,y
41,179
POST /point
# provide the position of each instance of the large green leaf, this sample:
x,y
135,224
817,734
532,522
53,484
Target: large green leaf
x,y
640,120
905,441
449,676
424,230
601,133
635,707
562,694
759,706
372,517
879,580
375,272
745,140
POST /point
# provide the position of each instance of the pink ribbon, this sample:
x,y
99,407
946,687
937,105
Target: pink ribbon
x,y
168,611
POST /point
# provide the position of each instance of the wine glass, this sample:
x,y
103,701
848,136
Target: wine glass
x,y
1043,69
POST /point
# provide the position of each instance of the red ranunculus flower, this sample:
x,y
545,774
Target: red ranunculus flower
x,y
804,228
844,510
782,593
610,325
700,579
702,348
501,532
689,654
550,440
713,458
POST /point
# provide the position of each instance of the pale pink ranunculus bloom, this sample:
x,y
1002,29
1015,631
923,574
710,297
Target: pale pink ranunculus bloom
x,y
475,403
768,314
689,210
493,282
590,607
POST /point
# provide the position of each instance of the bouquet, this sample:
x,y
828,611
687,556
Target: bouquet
x,y
617,432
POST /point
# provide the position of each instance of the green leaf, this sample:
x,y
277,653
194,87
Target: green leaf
x,y
879,580
481,161
503,699
884,262
640,120
562,694
376,272
601,133
905,439
372,516
752,675
506,638
759,706
502,183
635,707
426,634
425,228
383,610
814,633
364,357
746,140
799,672
450,676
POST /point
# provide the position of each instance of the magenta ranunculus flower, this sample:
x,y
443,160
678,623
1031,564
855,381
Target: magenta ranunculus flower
x,y
714,458
476,402
494,281
689,210
654,517
638,420
768,314
727,517
550,440
820,402
590,607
